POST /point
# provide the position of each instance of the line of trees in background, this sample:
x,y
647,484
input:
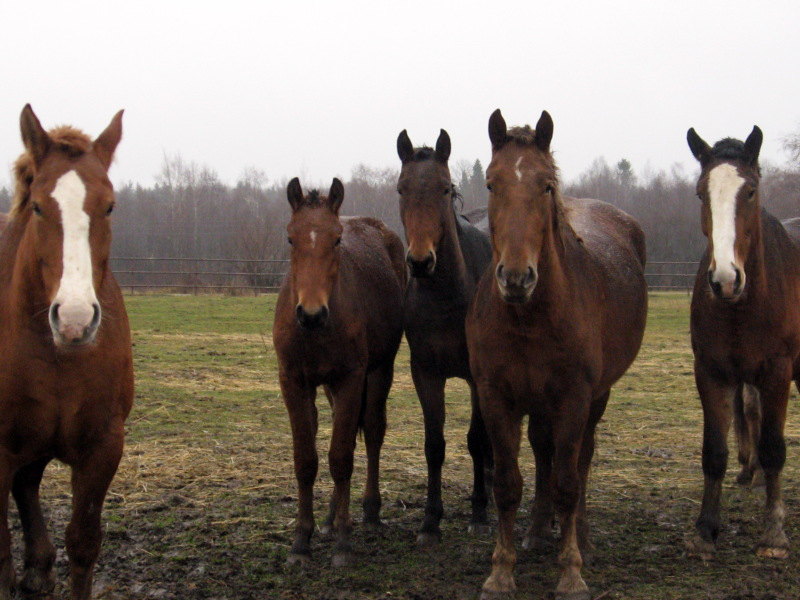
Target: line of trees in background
x,y
190,213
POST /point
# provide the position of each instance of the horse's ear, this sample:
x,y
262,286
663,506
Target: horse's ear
x,y
295,194
106,143
34,137
443,146
336,195
544,131
405,149
697,145
752,145
498,132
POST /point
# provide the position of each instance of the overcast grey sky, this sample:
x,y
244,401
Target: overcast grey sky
x,y
313,88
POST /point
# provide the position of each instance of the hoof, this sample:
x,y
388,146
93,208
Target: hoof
x,y
481,529
487,595
428,539
37,582
537,543
342,559
582,595
374,525
758,479
745,476
780,553
699,548
298,560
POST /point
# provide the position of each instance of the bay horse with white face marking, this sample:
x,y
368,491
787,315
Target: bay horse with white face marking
x,y
745,324
447,256
338,324
66,375
555,322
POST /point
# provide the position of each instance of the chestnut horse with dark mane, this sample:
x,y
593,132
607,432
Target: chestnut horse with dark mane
x,y
66,375
745,324
338,324
447,257
555,322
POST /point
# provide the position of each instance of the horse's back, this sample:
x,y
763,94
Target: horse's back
x,y
475,245
369,233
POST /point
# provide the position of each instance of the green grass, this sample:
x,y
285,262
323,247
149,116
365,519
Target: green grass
x,y
204,501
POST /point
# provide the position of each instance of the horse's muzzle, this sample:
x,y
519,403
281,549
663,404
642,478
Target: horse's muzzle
x,y
424,267
74,324
309,320
515,286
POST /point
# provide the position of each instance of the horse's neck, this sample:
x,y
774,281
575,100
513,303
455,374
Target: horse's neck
x,y
755,265
554,285
20,281
450,275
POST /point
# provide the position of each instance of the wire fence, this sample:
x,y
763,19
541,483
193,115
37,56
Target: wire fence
x,y
238,276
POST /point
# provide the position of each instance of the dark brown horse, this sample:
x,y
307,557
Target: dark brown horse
x,y
556,321
66,376
338,323
447,256
745,324
3,221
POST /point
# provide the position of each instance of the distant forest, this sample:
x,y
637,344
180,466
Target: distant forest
x,y
190,213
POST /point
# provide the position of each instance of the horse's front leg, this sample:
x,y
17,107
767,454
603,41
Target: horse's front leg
x,y
299,399
505,431
717,398
348,394
39,550
480,449
569,430
91,476
772,455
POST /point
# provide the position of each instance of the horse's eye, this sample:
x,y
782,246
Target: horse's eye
x,y
289,240
37,209
110,209
338,241
399,192
489,186
548,189
751,195
446,191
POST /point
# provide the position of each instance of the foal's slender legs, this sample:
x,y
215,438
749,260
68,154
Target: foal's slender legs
x,y
430,390
300,404
40,553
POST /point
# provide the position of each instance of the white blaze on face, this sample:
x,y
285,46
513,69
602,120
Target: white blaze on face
x,y
723,185
75,297
517,172
313,235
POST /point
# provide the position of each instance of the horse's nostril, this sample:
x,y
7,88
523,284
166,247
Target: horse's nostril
x,y
499,271
54,312
738,281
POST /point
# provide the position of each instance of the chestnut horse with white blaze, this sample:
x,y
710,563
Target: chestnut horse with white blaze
x,y
66,374
447,257
338,324
745,324
555,322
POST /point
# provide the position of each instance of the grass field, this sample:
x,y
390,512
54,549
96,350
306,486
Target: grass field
x,y
204,501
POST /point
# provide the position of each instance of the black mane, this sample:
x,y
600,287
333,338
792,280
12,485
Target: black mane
x,y
423,153
729,148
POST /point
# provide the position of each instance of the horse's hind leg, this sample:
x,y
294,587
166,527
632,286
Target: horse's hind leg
x,y
772,455
7,576
39,550
430,389
348,396
480,449
540,533
747,423
90,480
379,382
717,399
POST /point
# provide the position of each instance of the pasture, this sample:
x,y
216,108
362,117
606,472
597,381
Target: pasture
x,y
204,500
